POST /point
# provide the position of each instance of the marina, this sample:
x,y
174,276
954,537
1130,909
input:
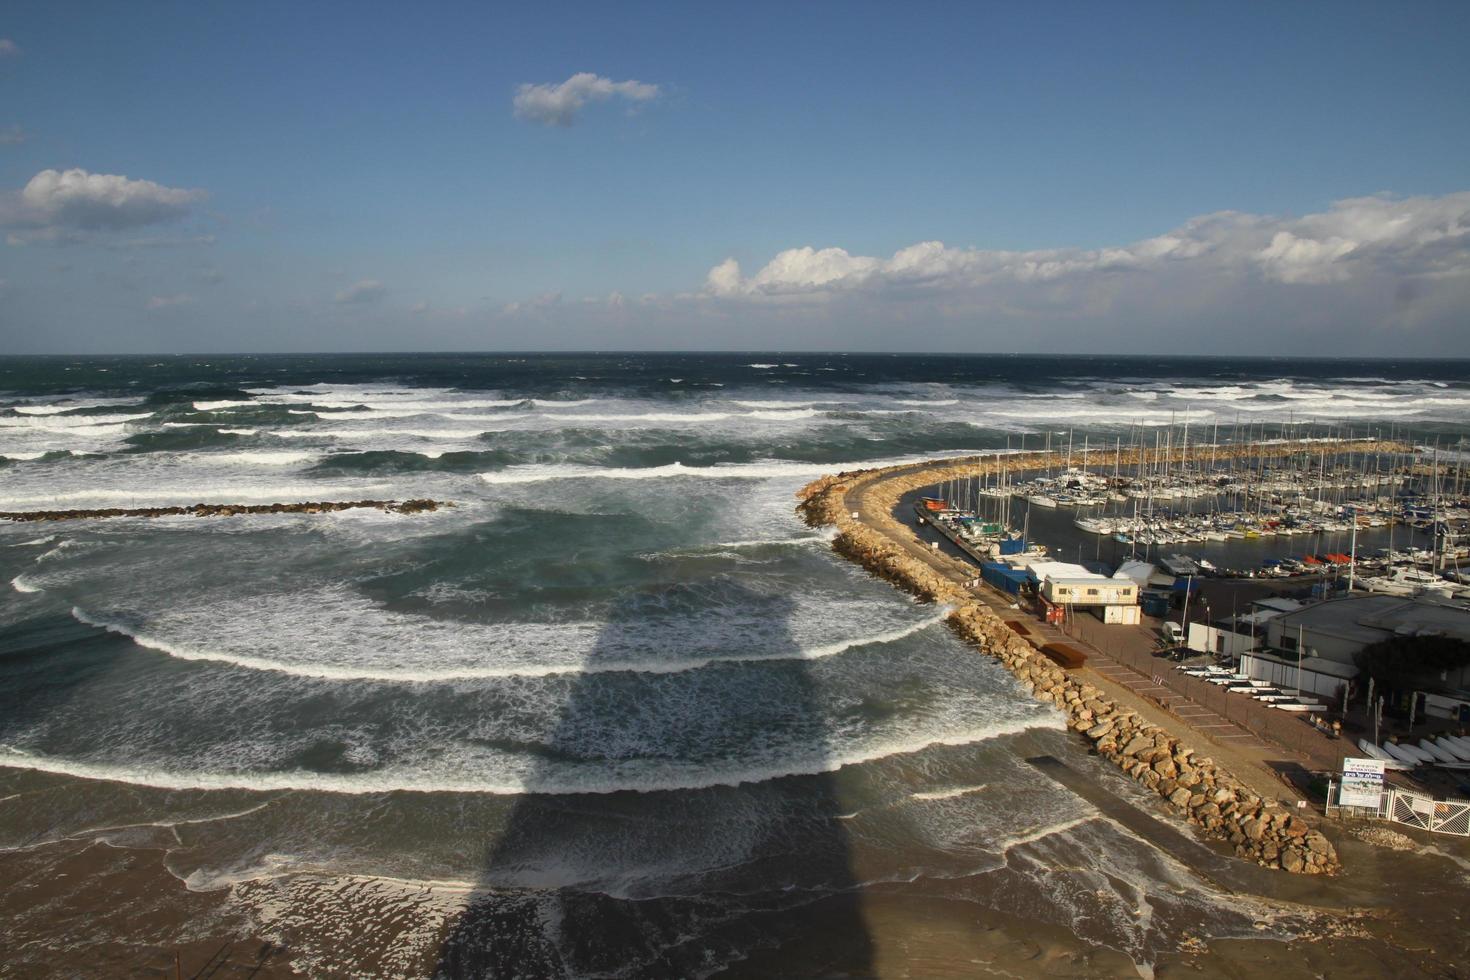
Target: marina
x,y
1391,520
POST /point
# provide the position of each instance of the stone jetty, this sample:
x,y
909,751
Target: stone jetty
x,y
228,510
1203,793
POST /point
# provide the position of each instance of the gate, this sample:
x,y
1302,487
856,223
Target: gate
x,y
1452,817
1413,810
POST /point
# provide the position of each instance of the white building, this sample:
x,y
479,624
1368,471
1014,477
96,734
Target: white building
x,y
1239,634
1065,584
1225,639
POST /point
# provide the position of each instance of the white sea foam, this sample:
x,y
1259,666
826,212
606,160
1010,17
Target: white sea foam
x,y
405,405
948,794
772,469
262,458
358,415
22,457
671,418
44,409
216,406
743,471
414,779
57,408
69,423
786,405
357,434
21,585
479,639
1046,830
238,432
802,541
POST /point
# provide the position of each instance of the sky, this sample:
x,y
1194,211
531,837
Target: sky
x,y
1051,177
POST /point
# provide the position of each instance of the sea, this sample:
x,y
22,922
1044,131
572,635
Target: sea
x,y
615,712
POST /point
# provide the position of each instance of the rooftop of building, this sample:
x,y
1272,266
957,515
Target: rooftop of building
x,y
1370,618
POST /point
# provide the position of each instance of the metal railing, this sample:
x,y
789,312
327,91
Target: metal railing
x,y
1409,809
1290,730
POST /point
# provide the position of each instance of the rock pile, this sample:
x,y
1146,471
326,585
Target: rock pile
x,y
1199,790
1215,802
227,510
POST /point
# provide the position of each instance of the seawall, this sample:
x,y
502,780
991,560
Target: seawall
x,y
226,510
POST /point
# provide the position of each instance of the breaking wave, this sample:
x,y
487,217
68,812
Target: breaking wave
x,y
412,779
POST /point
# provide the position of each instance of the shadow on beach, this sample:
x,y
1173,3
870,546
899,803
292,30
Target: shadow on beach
x,y
670,882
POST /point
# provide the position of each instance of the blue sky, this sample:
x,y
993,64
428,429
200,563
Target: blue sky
x,y
361,179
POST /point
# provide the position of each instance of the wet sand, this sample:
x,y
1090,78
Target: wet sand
x,y
78,907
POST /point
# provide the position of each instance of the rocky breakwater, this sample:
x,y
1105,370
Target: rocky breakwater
x,y
1198,790
228,510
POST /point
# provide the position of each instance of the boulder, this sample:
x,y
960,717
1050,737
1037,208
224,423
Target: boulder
x,y
1137,744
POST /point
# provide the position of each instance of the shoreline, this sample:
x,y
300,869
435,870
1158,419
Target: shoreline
x,y
1205,794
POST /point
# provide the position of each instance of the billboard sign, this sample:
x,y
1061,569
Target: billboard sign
x,y
1362,782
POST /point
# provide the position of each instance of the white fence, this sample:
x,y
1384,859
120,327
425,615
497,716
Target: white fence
x,y
1412,810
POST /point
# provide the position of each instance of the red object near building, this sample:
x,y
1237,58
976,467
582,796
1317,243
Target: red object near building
x,y
1051,612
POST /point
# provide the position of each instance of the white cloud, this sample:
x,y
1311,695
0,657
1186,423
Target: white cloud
x,y
1357,237
76,199
8,48
1364,276
558,105
59,207
536,304
166,302
161,242
1290,258
724,279
363,292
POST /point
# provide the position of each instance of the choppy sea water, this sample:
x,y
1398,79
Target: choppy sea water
x,y
617,711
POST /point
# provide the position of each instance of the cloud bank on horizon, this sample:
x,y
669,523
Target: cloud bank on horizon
x,y
1420,238
1365,268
